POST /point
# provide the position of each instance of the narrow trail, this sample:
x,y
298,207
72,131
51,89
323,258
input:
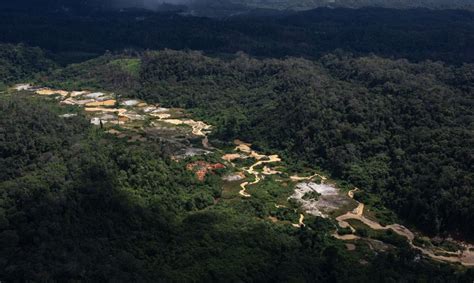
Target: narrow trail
x,y
202,129
199,128
245,151
296,178
251,170
300,222
205,143
465,257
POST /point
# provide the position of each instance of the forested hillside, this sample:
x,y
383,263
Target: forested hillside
x,y
401,130
328,145
413,34
18,62
394,128
76,204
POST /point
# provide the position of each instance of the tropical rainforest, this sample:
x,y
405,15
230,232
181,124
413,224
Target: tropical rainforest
x,y
384,108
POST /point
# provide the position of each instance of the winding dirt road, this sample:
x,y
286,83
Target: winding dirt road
x,y
251,170
465,257
245,151
199,128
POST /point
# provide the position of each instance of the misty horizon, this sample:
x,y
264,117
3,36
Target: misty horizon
x,y
231,5
149,4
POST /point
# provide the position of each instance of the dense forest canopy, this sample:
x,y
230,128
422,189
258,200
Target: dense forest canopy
x,y
79,205
18,62
373,98
413,34
398,129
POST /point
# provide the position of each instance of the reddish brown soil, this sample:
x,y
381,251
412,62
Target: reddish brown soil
x,y
202,168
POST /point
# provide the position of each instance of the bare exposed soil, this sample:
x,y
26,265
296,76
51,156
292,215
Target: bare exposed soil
x,y
465,257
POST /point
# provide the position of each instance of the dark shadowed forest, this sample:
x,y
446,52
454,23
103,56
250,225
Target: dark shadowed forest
x,y
377,99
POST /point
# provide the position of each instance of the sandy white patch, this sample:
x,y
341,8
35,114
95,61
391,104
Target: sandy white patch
x,y
69,115
131,102
329,199
94,95
21,87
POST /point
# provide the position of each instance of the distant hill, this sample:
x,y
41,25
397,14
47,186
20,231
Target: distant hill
x,y
19,62
311,4
220,8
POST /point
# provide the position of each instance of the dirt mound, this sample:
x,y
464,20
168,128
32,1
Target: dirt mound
x,y
234,177
202,168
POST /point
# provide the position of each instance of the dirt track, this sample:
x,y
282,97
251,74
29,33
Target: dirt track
x,y
251,169
465,257
300,222
297,178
